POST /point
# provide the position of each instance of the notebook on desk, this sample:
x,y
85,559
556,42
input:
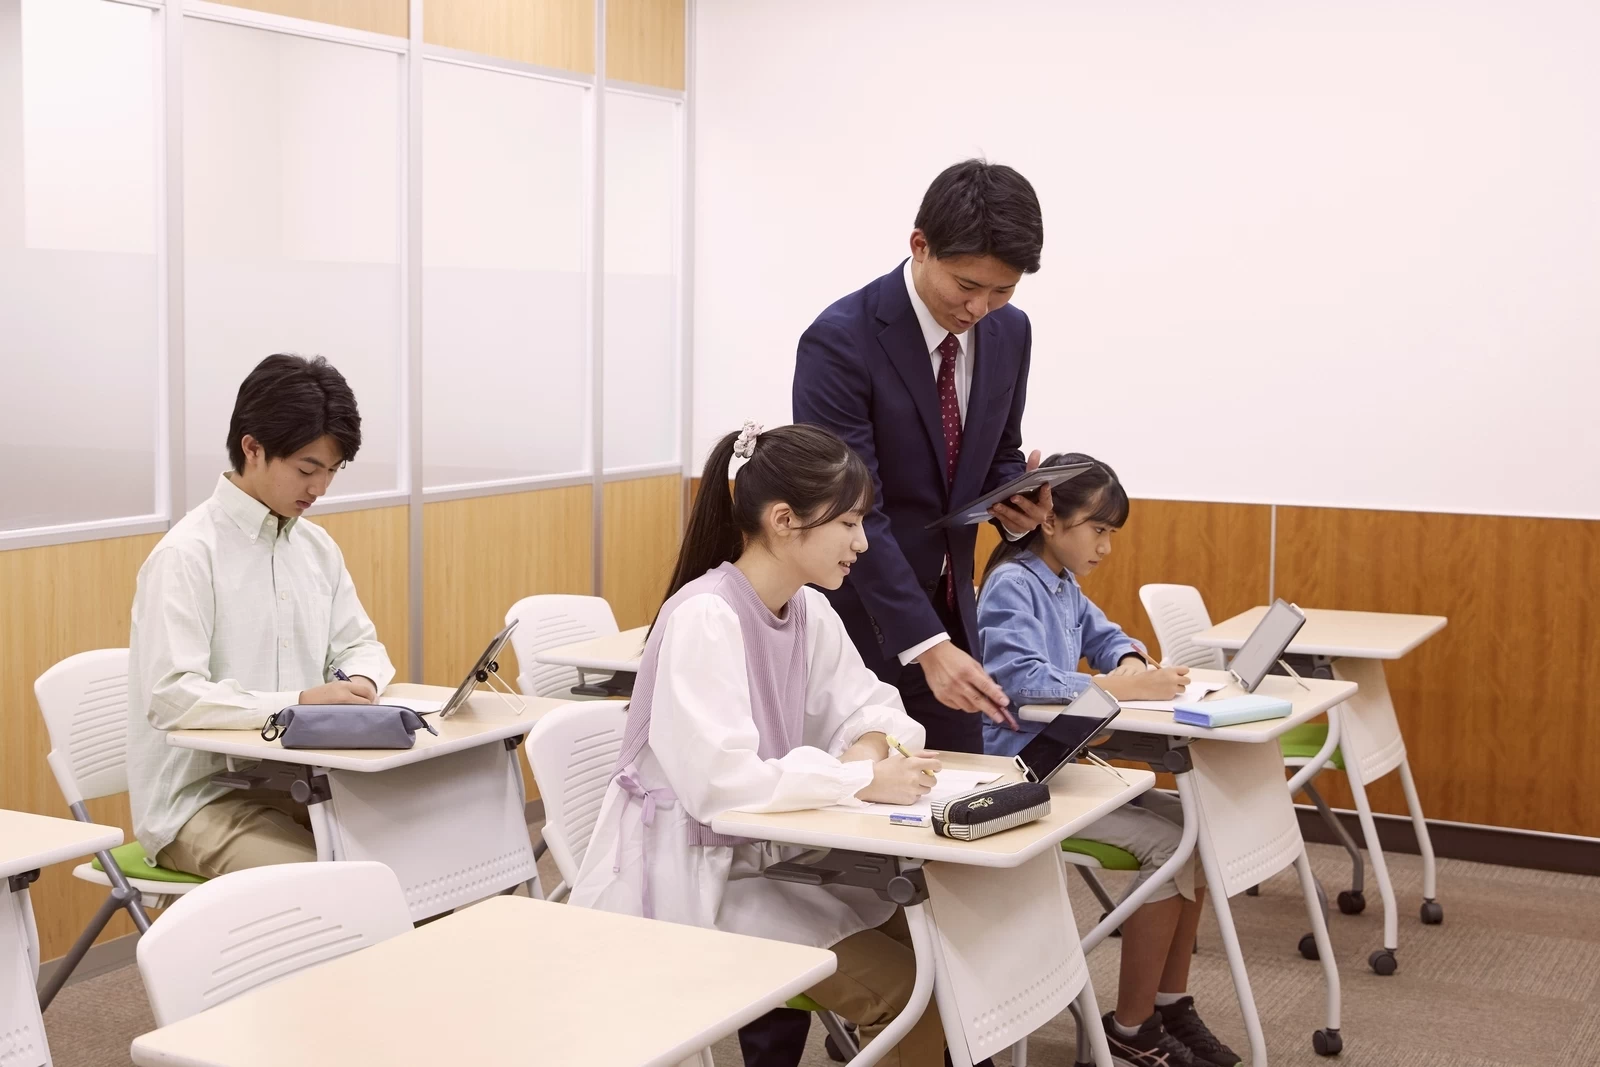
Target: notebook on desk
x,y
1230,711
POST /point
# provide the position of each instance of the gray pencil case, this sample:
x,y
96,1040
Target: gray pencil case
x,y
345,726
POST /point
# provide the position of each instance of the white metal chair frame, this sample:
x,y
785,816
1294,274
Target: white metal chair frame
x,y
84,702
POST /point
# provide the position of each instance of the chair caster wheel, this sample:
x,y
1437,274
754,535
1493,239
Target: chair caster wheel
x,y
1352,902
1432,913
1115,933
1383,962
1327,1042
1308,947
1253,891
833,1050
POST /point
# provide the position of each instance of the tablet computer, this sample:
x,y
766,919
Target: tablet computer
x,y
978,510
1265,645
1068,734
479,672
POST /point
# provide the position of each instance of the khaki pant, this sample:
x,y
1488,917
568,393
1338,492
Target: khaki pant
x,y
246,828
877,970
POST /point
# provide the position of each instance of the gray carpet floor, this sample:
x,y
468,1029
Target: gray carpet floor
x,y
1511,979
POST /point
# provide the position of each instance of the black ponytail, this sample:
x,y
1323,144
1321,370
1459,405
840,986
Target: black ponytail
x,y
806,467
1097,491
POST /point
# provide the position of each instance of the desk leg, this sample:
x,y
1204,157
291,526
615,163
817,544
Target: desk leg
x,y
1163,874
1326,1042
921,926
1092,1025
1215,883
322,830
22,1037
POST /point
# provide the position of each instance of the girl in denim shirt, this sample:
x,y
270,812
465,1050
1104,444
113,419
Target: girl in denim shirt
x,y
1034,625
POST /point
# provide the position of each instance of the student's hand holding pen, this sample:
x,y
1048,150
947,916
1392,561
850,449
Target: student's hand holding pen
x,y
902,777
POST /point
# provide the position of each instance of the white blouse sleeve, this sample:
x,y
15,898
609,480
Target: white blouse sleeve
x,y
844,700
703,733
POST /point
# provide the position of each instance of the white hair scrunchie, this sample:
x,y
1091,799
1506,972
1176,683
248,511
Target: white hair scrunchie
x,y
745,446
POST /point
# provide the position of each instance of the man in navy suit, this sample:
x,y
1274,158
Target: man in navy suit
x,y
924,373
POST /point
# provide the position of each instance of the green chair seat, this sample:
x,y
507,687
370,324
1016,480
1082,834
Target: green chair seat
x,y
803,1003
131,861
1306,740
1110,857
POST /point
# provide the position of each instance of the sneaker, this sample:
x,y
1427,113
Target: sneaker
x,y
1183,1023
1152,1046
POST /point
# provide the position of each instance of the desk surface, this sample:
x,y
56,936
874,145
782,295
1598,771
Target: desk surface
x,y
486,718
508,981
614,652
1079,795
1358,634
28,841
1319,695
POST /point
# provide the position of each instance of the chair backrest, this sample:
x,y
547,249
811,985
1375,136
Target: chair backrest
x,y
550,620
573,752
84,700
254,926
1178,612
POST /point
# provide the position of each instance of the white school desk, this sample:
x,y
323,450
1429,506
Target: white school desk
x,y
615,654
1237,813
1353,645
27,843
999,954
511,981
446,814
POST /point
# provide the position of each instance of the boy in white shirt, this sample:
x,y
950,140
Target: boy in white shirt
x,y
241,610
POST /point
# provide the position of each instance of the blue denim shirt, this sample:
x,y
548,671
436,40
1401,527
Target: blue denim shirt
x,y
1033,627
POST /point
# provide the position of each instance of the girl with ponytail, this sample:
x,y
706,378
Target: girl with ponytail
x,y
751,696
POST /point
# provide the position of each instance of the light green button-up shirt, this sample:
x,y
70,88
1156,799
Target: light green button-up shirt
x,y
236,612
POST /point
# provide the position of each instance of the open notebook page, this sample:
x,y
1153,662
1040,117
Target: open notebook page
x,y
951,784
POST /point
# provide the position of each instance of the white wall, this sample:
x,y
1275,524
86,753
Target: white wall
x,y
1296,253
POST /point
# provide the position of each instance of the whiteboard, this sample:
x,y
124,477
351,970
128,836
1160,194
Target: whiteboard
x,y
1373,225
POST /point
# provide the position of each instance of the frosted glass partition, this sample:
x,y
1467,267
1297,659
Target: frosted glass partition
x,y
642,255
79,356
505,304
292,179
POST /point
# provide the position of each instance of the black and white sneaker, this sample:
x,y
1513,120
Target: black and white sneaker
x,y
1152,1046
1183,1022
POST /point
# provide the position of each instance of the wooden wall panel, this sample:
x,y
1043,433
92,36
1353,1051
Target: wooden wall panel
x,y
1221,549
375,543
643,527
549,33
645,42
54,602
1498,708
374,16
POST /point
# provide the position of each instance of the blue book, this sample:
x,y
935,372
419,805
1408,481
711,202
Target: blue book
x,y
1230,711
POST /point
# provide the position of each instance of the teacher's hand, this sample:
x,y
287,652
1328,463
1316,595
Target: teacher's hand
x,y
959,681
1023,514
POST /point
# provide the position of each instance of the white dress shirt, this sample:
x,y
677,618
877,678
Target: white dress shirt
x,y
934,335
702,759
235,613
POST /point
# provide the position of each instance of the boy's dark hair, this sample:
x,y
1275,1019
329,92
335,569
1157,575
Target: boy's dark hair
x,y
977,208
287,402
804,466
1096,495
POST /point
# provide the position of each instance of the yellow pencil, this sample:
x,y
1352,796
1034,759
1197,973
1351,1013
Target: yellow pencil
x,y
894,743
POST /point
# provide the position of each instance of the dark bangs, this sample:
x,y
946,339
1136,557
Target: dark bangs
x,y
851,489
1110,506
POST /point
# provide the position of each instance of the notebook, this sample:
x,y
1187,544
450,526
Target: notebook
x,y
1230,711
1192,692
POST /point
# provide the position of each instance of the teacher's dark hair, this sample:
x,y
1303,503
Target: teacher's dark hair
x,y
1096,495
977,208
804,466
287,402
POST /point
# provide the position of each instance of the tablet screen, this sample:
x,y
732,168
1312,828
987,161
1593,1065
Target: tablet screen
x,y
1266,643
1066,735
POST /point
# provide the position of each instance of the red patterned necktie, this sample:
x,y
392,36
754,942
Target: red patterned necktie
x,y
950,418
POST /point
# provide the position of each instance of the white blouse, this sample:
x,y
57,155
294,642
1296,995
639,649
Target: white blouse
x,y
703,749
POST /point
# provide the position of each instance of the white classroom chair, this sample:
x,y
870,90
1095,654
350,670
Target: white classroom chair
x,y
1177,613
573,753
84,701
550,620
254,926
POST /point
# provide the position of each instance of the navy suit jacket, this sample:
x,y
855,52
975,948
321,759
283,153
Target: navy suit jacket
x,y
863,371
